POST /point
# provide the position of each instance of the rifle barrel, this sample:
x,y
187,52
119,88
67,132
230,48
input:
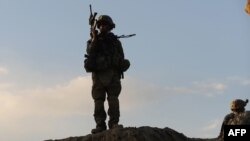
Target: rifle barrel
x,y
90,8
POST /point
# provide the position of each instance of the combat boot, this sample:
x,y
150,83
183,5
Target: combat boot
x,y
98,129
114,126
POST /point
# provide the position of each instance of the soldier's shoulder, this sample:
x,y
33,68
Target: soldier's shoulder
x,y
229,116
112,36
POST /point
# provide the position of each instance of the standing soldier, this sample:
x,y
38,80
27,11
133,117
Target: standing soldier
x,y
105,60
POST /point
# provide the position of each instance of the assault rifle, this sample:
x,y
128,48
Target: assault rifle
x,y
92,21
126,36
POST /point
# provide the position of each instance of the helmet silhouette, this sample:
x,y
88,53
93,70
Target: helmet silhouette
x,y
238,104
105,19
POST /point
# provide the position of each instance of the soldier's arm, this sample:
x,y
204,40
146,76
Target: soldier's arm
x,y
120,48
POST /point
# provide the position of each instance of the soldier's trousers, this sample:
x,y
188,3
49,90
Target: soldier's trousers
x,y
99,93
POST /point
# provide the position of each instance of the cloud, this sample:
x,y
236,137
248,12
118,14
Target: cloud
x,y
4,86
137,92
246,82
199,87
210,87
39,111
72,98
239,80
213,86
3,71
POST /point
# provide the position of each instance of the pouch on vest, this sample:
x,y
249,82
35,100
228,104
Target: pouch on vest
x,y
89,63
125,64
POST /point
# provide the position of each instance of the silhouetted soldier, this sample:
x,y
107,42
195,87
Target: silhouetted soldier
x,y
105,59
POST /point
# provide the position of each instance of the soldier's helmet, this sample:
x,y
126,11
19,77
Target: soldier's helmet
x,y
106,20
238,104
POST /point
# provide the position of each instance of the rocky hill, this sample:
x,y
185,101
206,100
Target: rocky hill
x,y
147,133
135,134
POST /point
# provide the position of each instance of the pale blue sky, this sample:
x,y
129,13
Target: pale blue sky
x,y
189,59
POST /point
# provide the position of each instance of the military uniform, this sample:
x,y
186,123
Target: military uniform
x,y
107,54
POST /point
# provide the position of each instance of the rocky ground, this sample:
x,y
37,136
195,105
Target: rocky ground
x,y
135,134
147,133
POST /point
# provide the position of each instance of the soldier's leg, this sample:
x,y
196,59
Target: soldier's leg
x,y
99,95
113,92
